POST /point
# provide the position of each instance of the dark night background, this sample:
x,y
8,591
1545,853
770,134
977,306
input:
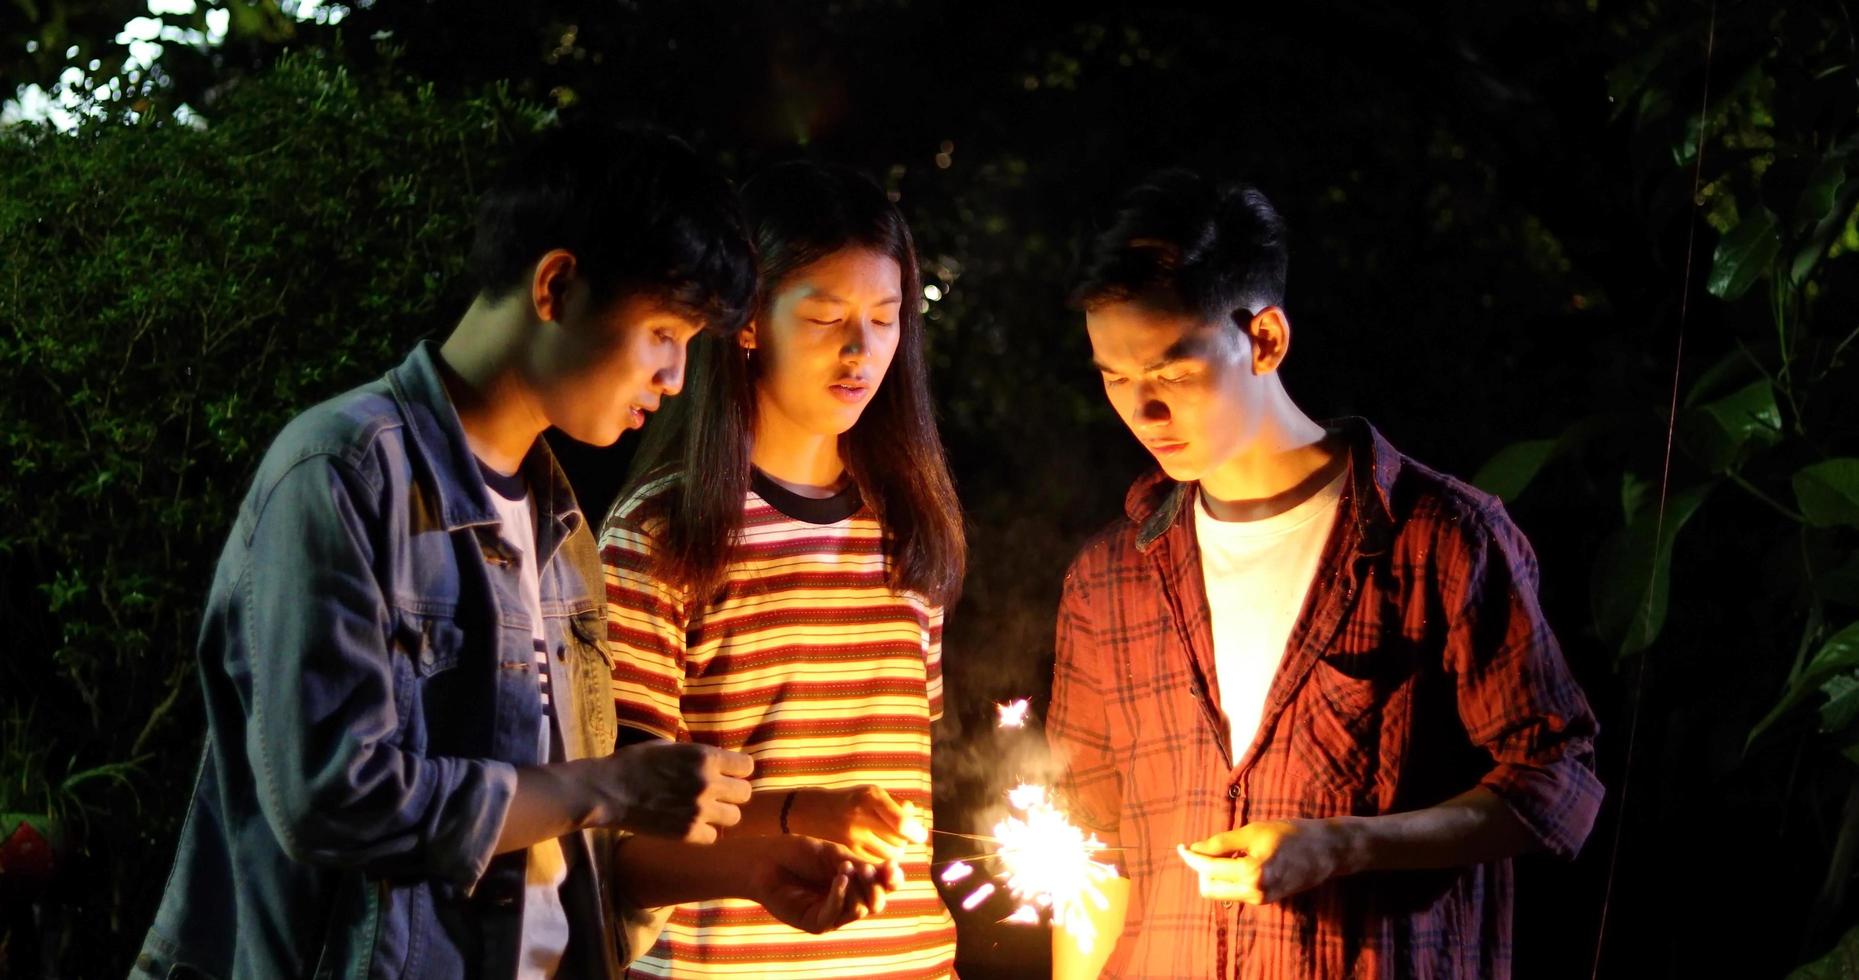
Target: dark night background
x,y
1500,230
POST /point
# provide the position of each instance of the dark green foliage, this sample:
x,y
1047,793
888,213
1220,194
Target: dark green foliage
x,y
1490,208
169,297
1744,569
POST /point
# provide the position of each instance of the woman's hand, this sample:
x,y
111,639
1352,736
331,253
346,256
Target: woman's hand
x,y
816,885
865,819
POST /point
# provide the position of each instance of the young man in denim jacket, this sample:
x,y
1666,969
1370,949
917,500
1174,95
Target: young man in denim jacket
x,y
409,768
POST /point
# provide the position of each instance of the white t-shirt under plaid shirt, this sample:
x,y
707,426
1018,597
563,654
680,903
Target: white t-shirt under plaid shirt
x,y
812,664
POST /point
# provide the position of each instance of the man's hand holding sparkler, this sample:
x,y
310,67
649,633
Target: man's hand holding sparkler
x,y
865,819
1267,861
1271,860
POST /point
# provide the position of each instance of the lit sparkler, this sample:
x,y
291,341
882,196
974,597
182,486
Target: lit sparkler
x,y
1026,796
1049,862
1050,866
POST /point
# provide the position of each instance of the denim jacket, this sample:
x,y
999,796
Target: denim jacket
x,y
370,693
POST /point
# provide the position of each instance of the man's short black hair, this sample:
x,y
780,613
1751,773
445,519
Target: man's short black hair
x,y
1181,244
639,210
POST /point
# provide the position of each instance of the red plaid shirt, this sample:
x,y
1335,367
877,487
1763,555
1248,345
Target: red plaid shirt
x,y
1419,667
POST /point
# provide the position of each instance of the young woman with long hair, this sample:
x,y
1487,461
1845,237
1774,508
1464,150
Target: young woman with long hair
x,y
777,573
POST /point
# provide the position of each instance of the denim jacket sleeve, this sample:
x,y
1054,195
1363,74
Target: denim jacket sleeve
x,y
321,721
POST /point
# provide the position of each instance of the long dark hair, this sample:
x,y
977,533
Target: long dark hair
x,y
797,214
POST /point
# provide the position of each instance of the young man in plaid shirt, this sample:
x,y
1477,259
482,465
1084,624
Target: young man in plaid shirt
x,y
1304,686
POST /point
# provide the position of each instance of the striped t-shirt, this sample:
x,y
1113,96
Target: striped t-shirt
x,y
809,662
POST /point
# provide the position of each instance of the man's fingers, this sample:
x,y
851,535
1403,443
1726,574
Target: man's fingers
x,y
731,790
1224,866
1201,863
700,833
1224,844
720,814
733,763
1229,891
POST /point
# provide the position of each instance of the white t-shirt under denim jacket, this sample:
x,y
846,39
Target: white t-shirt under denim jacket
x,y
545,923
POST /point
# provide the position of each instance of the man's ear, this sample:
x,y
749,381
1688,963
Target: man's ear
x,y
548,286
1270,331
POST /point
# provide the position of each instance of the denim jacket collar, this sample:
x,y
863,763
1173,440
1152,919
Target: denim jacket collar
x,y
438,440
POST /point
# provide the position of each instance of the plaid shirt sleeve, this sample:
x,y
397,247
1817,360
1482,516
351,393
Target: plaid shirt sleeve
x,y
1516,696
1077,724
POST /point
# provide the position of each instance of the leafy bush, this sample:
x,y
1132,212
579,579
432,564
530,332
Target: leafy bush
x,y
170,296
1746,567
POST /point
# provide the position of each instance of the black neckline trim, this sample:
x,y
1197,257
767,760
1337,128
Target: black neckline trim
x,y
512,488
807,510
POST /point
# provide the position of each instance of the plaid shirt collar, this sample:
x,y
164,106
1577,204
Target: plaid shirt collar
x,y
1162,510
1157,504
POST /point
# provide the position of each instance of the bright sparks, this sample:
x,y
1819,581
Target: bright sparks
x,y
1013,713
1049,866
1051,863
1025,915
1026,796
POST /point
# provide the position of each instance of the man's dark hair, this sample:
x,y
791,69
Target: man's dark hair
x,y
639,210
1181,244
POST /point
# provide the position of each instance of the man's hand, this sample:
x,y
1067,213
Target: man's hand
x,y
864,818
1266,862
816,885
679,790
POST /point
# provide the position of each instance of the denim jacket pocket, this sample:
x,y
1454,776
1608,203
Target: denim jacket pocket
x,y
589,631
425,648
431,643
591,663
